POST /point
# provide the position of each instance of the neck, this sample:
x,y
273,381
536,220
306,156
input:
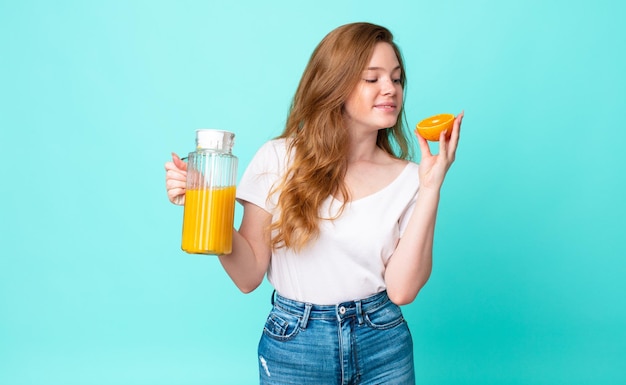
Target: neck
x,y
363,149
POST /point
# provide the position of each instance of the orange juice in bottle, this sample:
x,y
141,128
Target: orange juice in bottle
x,y
210,195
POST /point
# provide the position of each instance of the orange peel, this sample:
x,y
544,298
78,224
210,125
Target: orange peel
x,y
431,128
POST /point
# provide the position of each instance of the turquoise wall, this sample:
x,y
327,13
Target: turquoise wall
x,y
529,280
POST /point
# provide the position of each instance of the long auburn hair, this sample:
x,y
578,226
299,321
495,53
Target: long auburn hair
x,y
316,133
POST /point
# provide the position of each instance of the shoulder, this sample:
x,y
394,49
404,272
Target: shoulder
x,y
275,147
412,166
271,156
408,178
397,166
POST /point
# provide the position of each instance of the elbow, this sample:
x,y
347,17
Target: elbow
x,y
401,298
248,287
404,294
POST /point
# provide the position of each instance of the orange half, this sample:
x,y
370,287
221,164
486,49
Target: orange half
x,y
430,128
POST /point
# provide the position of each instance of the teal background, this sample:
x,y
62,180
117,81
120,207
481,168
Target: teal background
x,y
529,280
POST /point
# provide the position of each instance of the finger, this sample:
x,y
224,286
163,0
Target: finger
x,y
175,184
423,143
456,133
176,174
171,166
456,127
178,162
176,196
175,192
443,144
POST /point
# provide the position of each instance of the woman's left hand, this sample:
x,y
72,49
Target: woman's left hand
x,y
433,168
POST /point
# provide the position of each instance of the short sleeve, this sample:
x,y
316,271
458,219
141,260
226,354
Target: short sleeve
x,y
262,173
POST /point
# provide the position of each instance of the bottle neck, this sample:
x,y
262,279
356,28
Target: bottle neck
x,y
225,151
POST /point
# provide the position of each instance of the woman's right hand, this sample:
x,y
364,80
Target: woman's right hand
x,y
176,180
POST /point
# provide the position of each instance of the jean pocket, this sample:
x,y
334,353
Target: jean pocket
x,y
281,326
385,317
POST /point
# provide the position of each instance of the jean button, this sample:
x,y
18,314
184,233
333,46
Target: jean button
x,y
342,310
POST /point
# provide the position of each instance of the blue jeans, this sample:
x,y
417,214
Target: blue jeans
x,y
361,342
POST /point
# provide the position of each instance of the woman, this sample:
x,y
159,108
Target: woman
x,y
332,215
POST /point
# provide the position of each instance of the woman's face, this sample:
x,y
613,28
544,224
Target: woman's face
x,y
376,101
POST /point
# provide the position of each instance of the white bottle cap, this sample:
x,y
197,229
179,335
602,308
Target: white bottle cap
x,y
212,139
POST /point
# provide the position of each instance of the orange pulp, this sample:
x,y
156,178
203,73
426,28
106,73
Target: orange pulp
x,y
430,128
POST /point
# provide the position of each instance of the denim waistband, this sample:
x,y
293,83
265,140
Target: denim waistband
x,y
339,311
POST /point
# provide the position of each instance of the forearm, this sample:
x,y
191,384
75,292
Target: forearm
x,y
410,265
242,265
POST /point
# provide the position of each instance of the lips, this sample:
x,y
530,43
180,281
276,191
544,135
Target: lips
x,y
386,106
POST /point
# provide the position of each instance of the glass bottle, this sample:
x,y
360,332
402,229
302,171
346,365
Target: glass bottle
x,y
210,195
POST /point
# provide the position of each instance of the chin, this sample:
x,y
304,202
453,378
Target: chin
x,y
389,123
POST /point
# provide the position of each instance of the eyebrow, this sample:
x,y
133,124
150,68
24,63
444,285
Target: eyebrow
x,y
380,68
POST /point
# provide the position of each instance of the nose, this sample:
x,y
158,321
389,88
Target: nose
x,y
388,87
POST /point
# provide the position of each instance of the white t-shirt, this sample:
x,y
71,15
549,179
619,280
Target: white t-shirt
x,y
347,261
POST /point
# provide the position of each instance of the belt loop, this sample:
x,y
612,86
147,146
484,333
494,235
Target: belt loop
x,y
359,312
306,315
272,297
